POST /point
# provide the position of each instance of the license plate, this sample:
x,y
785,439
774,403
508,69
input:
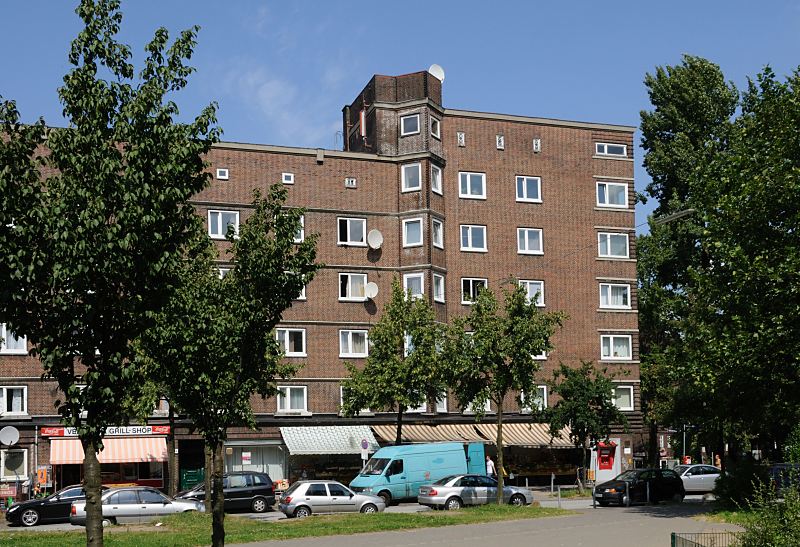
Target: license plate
x,y
598,495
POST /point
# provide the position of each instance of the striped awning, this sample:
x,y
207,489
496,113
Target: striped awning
x,y
430,433
530,435
115,450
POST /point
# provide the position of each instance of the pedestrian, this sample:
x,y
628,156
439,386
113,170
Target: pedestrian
x,y
490,469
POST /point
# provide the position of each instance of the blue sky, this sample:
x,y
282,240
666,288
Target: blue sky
x,y
281,71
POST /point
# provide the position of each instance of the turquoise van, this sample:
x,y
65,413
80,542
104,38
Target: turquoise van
x,y
395,473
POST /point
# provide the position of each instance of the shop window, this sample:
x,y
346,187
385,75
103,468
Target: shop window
x,y
13,464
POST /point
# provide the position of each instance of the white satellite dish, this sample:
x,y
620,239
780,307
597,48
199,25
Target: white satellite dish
x,y
437,72
374,239
371,290
9,435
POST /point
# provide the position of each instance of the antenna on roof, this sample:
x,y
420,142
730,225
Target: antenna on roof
x,y
437,72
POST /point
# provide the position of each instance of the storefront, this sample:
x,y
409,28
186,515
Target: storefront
x,y
264,456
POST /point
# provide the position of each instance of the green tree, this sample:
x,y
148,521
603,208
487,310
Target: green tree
x,y
403,369
585,406
98,218
490,355
213,346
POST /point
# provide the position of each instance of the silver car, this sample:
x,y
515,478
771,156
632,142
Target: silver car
x,y
132,505
698,477
456,491
305,498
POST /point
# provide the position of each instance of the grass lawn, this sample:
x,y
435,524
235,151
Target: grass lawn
x,y
573,493
195,528
735,516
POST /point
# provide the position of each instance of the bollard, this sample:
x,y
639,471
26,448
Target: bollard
x,y
627,495
648,492
559,496
552,481
594,498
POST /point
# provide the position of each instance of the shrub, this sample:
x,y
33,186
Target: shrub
x,y
775,522
736,489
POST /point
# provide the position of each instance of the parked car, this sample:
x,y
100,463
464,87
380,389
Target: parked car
x,y
242,490
658,484
53,508
131,504
698,478
305,498
455,491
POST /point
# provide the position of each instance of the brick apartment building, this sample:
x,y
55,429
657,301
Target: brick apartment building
x,y
446,201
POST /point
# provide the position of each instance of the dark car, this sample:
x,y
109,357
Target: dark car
x,y
242,490
658,484
53,508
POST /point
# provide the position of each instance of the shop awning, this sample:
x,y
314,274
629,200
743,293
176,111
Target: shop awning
x,y
334,439
115,450
529,435
431,433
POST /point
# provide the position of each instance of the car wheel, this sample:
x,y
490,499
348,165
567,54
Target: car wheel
x,y
517,499
259,505
678,497
302,512
109,522
29,517
369,508
453,503
386,497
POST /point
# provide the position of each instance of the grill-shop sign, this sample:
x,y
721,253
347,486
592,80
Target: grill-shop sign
x,y
116,431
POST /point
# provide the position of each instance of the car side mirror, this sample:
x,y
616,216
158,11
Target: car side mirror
x,y
351,494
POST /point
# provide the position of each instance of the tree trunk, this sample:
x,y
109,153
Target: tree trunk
x,y
218,500
398,440
207,476
499,441
171,456
91,483
586,457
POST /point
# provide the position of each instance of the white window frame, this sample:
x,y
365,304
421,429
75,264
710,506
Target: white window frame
x,y
302,230
540,402
213,235
470,409
441,404
470,248
416,275
437,242
223,173
349,297
606,203
302,295
472,288
526,283
607,252
404,186
611,338
341,403
524,198
408,221
287,398
4,398
601,149
4,349
419,410
287,178
614,398
349,242
3,454
349,334
436,179
467,195
222,272
523,236
285,349
438,283
609,287
403,132
437,124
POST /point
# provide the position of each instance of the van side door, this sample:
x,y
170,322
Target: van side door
x,y
396,478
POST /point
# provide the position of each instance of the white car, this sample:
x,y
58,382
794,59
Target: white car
x,y
132,505
698,478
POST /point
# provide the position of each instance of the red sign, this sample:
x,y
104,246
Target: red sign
x,y
114,431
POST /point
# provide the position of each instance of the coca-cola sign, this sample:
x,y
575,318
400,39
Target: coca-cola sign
x,y
113,431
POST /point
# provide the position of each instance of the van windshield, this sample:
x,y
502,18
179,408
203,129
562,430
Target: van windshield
x,y
375,466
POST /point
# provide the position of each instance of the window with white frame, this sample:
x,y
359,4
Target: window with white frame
x,y
352,231
615,296
219,221
473,238
351,287
472,185
436,179
535,291
611,245
529,189
441,404
438,288
623,397
409,125
411,175
419,410
529,241
10,343
436,128
612,194
353,343
415,284
538,401
14,464
540,356
300,235
13,400
471,408
341,402
291,341
609,149
292,399
437,233
615,347
302,294
222,272
408,345
412,232
470,287
287,178
223,173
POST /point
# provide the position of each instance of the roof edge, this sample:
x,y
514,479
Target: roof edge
x,y
542,121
